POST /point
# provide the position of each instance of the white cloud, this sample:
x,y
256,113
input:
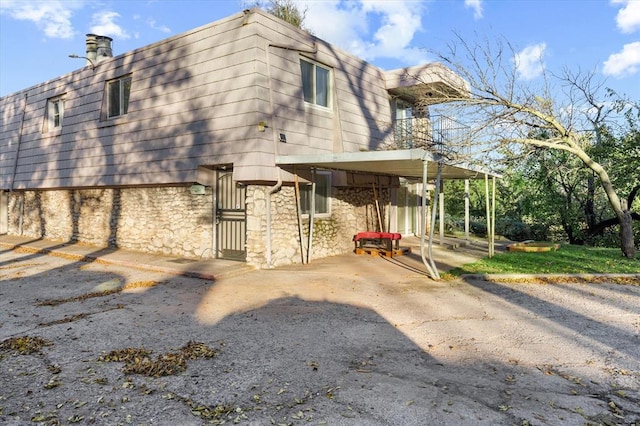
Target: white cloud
x,y
103,23
628,18
476,5
52,17
529,61
368,29
624,63
154,25
340,26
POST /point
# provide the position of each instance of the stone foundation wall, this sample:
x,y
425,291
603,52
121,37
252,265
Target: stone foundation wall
x,y
172,221
167,220
352,210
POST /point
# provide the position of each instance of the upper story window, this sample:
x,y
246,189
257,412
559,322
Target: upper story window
x,y
118,91
323,195
404,110
316,83
54,113
403,124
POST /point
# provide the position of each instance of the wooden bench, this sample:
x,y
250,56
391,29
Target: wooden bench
x,y
375,243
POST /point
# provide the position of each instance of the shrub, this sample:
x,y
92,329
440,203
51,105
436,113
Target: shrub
x,y
513,229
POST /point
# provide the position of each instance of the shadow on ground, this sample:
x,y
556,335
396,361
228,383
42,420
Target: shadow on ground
x,y
305,347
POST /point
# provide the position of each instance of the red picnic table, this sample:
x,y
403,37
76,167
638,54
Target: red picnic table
x,y
376,242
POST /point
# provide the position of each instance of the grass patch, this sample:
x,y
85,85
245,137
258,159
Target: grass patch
x,y
567,260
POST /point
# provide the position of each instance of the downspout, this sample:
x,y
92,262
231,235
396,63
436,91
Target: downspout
x,y
275,188
312,214
21,219
15,163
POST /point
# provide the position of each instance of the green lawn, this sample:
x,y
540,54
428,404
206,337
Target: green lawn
x,y
567,260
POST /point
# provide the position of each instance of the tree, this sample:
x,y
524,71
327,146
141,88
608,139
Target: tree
x,y
619,151
558,181
286,10
508,115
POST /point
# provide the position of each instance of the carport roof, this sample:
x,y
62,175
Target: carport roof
x,y
404,163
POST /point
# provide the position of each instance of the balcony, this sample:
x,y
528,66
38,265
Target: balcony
x,y
427,82
440,134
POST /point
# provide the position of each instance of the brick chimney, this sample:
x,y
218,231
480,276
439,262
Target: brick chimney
x,y
98,48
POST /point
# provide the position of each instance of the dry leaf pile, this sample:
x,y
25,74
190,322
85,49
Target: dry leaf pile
x,y
56,302
24,345
139,361
129,286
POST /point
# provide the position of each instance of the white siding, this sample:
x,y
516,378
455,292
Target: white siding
x,y
196,99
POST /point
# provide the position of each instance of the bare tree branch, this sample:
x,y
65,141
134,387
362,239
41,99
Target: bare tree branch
x,y
563,113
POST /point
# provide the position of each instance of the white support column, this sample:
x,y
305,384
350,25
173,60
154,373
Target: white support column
x,y
466,209
434,267
493,216
433,274
299,214
393,211
441,211
488,213
427,229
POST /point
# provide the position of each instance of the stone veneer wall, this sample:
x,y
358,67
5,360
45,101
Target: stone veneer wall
x,y
352,210
172,221
165,220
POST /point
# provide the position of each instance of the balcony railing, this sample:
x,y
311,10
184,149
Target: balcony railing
x,y
440,134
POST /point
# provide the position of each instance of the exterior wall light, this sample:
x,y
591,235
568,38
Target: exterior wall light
x,y
262,126
74,56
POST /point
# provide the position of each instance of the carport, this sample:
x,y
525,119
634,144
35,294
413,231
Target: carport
x,y
416,164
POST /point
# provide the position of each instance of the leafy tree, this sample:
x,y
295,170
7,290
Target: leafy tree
x,y
508,116
286,10
618,149
558,181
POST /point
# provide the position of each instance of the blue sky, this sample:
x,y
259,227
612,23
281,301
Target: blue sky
x,y
36,37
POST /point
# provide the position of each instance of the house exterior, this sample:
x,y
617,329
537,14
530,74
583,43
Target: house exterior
x,y
172,148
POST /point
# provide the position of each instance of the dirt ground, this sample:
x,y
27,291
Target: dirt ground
x,y
343,341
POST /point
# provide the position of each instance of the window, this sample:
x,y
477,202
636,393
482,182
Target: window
x,y
404,124
323,195
316,83
54,114
118,96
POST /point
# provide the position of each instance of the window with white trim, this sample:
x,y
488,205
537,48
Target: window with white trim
x,y
118,91
54,113
316,83
323,195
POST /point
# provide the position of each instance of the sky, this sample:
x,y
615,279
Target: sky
x,y
600,36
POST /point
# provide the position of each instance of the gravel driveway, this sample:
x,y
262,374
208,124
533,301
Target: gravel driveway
x,y
343,341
